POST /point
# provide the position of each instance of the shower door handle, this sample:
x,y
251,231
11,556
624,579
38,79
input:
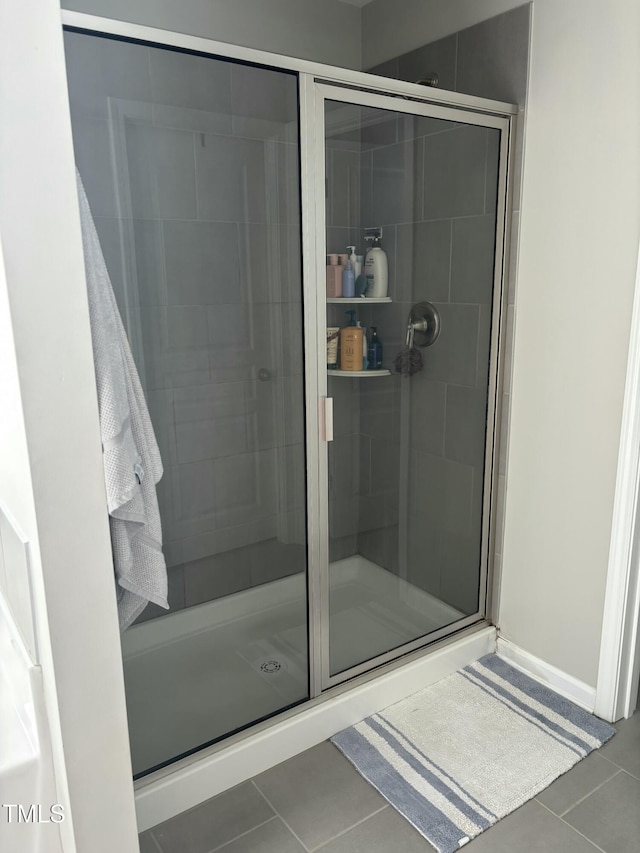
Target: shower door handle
x,y
326,418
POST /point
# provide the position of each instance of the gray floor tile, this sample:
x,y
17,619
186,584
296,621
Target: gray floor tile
x,y
624,748
610,816
530,829
147,843
215,822
384,832
579,782
319,794
272,837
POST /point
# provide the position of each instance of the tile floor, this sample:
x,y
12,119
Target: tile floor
x,y
317,801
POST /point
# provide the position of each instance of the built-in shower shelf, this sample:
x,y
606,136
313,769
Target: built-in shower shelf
x,y
359,300
358,374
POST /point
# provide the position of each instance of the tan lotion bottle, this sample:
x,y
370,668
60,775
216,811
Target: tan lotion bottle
x,y
351,338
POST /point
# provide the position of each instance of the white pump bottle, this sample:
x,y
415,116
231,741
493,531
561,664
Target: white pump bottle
x,y
376,267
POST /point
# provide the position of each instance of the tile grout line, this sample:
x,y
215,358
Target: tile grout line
x,y
577,831
277,813
242,834
348,829
586,796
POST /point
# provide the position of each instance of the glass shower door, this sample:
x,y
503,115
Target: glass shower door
x,y
190,164
410,464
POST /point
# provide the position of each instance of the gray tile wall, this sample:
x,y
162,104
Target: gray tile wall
x,y
200,229
439,228
488,60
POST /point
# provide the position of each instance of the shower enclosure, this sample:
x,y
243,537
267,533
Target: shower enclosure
x,y
316,524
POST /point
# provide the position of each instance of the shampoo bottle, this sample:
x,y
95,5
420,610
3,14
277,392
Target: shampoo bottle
x,y
356,262
334,277
375,266
348,281
351,345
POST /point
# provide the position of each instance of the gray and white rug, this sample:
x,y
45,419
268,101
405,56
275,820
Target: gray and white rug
x,y
456,757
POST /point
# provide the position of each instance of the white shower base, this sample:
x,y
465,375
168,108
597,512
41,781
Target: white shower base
x,y
197,674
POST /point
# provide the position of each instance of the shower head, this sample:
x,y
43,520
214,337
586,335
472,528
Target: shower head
x,y
430,79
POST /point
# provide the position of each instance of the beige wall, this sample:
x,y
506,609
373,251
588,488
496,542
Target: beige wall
x,y
326,31
51,478
578,251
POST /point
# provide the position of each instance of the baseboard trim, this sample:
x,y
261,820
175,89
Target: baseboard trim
x,y
563,683
170,792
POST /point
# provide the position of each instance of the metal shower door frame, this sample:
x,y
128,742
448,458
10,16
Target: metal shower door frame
x,y
318,81
314,92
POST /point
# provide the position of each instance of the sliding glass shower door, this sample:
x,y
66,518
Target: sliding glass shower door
x,y
409,466
191,169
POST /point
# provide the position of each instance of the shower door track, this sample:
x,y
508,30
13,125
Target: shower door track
x,y
317,81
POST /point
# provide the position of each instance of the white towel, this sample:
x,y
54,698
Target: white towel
x,y
132,463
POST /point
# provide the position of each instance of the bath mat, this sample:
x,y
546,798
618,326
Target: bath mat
x,y
456,757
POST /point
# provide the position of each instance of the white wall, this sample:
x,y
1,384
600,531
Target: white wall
x,y
580,223
320,30
51,479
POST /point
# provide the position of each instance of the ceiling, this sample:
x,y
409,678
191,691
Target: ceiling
x,y
360,3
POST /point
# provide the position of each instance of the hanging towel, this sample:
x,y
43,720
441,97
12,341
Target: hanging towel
x,y
131,459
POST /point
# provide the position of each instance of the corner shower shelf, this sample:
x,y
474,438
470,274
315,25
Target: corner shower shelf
x,y
358,374
358,300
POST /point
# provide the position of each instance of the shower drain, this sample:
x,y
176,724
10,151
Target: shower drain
x,y
270,666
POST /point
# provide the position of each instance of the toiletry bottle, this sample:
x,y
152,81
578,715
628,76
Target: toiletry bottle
x,y
332,347
348,281
351,345
334,277
365,346
375,265
356,265
374,350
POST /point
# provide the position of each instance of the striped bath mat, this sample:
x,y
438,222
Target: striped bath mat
x,y
463,753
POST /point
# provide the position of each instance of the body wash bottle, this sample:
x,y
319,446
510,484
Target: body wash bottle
x,y
351,345
375,266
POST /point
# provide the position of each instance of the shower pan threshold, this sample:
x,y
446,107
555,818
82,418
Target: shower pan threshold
x,y
255,643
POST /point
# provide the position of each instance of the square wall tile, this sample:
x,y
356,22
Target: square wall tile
x,y
216,576
396,183
231,175
466,425
493,57
265,103
452,358
427,401
100,68
343,200
202,263
454,173
190,92
161,172
472,259
438,56
149,262
423,261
